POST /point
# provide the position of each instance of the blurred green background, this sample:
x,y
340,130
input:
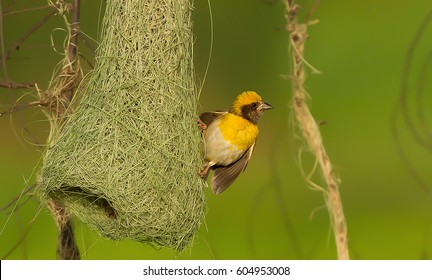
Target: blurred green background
x,y
269,213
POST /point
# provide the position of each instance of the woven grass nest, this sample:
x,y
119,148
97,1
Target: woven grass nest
x,y
126,161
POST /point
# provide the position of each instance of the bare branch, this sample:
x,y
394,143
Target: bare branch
x,y
18,43
14,85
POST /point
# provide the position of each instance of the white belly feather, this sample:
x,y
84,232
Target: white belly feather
x,y
219,150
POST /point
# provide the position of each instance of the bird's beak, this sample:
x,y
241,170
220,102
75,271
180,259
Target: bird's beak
x,y
264,106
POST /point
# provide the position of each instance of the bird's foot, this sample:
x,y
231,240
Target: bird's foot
x,y
201,125
204,171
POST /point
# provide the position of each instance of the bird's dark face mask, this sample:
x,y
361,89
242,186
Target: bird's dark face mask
x,y
255,110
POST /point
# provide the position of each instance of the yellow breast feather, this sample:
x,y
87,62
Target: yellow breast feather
x,y
238,131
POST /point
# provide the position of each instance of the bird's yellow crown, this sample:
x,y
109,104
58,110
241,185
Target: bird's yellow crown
x,y
245,98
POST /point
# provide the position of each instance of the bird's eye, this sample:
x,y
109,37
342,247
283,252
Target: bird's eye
x,y
254,105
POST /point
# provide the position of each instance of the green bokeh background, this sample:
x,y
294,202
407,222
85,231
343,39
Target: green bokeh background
x,y
269,213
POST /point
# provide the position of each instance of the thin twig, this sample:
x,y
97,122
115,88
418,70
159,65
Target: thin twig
x,y
3,56
25,10
75,27
19,107
310,130
19,241
14,85
18,43
29,188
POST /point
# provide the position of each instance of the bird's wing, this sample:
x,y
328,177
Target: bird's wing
x,y
209,117
224,176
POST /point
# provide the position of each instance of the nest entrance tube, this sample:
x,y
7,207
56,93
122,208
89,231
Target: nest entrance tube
x,y
126,160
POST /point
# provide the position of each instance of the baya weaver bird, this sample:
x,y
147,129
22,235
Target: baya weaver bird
x,y
229,138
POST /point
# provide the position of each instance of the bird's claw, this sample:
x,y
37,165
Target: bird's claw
x,y
204,171
201,125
